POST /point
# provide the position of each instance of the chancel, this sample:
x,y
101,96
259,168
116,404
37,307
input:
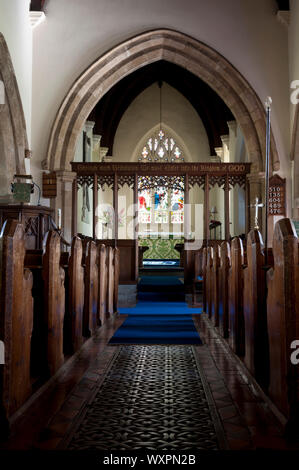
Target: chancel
x,y
149,190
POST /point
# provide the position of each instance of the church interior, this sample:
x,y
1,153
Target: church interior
x,y
149,216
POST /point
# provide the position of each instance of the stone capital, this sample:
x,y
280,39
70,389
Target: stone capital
x,y
219,152
66,176
89,125
256,177
96,139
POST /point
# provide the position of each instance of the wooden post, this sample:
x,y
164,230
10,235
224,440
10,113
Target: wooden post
x,y
206,210
136,226
74,207
186,202
226,205
95,206
235,299
115,208
247,207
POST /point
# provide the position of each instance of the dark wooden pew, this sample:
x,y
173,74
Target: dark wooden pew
x,y
91,295
16,320
255,310
224,289
283,322
235,300
209,285
116,278
110,283
214,287
74,313
102,273
53,301
204,276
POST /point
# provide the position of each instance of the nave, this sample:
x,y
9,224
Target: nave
x,y
151,396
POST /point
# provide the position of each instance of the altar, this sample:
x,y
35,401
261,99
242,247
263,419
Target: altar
x,y
160,247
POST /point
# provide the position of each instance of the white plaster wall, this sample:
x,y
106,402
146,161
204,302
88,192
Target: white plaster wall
x,y
75,33
16,29
144,114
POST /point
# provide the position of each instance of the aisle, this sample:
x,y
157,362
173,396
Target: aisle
x,y
161,315
153,397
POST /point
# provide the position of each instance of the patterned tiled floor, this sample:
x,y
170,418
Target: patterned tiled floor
x,y
153,397
49,422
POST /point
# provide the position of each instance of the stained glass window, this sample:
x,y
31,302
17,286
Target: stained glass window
x,y
144,206
177,206
165,202
161,147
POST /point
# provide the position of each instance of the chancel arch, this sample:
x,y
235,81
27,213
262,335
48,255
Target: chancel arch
x,y
172,46
147,48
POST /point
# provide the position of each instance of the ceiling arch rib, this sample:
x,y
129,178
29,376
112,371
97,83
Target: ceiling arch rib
x,y
209,106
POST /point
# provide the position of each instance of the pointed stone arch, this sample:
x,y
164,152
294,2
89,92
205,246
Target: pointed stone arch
x,y
148,47
13,135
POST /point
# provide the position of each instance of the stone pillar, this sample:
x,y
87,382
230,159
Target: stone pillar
x,y
63,201
225,147
89,125
96,147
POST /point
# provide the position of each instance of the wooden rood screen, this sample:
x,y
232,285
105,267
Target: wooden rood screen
x,y
116,175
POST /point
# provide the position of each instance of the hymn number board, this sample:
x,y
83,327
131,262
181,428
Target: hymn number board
x,y
277,196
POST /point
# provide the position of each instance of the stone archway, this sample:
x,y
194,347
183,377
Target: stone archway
x,y
13,135
148,47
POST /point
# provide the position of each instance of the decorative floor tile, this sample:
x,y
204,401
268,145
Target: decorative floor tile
x,y
153,397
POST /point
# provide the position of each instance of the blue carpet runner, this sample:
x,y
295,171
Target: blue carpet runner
x,y
161,315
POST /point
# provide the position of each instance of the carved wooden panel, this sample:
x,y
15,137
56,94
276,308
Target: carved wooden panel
x,y
283,320
16,321
53,301
235,301
224,288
